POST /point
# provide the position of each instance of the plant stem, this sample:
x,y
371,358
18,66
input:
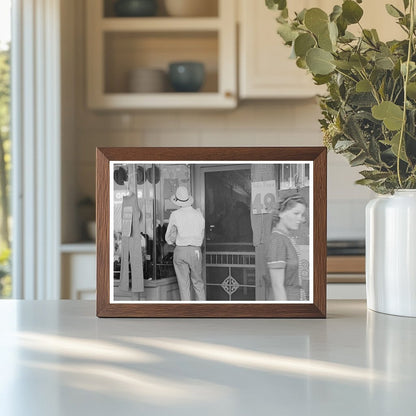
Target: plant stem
x,y
346,75
373,88
406,79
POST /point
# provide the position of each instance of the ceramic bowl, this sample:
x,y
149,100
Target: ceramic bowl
x,y
186,76
191,8
135,8
147,80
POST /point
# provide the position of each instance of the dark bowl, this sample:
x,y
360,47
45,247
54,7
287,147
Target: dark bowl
x,y
186,76
135,8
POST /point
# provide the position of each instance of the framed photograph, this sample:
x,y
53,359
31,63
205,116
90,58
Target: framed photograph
x,y
211,232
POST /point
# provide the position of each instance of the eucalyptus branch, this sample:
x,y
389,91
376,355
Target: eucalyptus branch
x,y
398,95
392,91
346,75
373,88
406,79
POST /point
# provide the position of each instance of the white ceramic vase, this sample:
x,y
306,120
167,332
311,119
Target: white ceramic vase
x,y
391,253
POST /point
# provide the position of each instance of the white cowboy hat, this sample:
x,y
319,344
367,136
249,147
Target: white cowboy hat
x,y
182,197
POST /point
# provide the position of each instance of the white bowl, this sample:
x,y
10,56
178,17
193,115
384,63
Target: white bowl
x,y
191,8
147,80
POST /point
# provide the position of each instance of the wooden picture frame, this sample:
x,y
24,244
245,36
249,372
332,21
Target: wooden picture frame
x,y
251,160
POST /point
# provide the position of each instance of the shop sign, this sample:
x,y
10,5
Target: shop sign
x,y
263,197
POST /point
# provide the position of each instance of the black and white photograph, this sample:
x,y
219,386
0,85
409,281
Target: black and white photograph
x,y
211,232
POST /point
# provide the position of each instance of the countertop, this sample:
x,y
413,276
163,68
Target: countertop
x,y
57,358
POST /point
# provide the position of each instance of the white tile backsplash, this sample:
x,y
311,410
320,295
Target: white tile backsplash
x,y
257,123
346,219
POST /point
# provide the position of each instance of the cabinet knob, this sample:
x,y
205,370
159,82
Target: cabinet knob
x,y
229,94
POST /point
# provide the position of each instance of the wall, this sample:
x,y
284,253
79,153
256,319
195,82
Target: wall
x,y
253,123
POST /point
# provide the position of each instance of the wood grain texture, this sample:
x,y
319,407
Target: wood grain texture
x,y
346,264
317,309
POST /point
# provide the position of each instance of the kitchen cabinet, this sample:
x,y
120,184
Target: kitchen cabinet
x,y
118,45
265,70
78,264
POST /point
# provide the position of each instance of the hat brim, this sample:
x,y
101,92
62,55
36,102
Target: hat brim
x,y
186,203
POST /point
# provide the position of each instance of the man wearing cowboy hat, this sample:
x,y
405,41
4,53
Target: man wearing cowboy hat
x,y
186,230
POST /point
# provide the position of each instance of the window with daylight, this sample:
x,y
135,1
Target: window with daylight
x,y
5,147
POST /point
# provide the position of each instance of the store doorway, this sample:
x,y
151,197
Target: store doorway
x,y
229,252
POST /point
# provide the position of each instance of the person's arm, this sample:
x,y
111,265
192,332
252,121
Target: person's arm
x,y
202,235
171,231
276,263
277,277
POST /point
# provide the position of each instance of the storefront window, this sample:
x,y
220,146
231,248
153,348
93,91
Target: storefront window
x,y
154,185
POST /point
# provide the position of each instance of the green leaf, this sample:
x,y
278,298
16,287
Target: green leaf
x,y
342,25
319,61
344,65
347,37
375,35
384,62
368,36
382,89
325,42
406,4
365,182
374,150
412,67
393,11
358,160
411,90
333,32
276,4
301,63
282,20
336,12
353,131
351,11
358,61
316,20
343,145
303,43
394,143
391,114
287,33
377,75
321,79
362,99
374,174
301,15
363,86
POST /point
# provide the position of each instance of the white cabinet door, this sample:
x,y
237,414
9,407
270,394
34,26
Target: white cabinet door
x,y
78,276
265,69
264,66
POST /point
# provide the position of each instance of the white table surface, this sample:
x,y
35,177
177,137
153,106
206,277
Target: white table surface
x,y
57,358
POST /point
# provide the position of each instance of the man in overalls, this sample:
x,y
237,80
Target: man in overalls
x,y
186,229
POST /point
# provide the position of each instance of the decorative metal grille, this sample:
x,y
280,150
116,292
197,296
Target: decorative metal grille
x,y
230,285
230,259
245,261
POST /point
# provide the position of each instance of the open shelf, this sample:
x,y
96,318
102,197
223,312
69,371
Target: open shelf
x,y
160,24
118,45
126,51
209,9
